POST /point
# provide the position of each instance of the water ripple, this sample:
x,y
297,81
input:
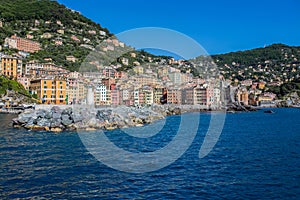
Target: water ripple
x,y
257,157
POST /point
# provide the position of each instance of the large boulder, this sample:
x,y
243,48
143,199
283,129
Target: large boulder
x,y
41,113
30,123
43,122
66,119
55,122
56,112
77,117
26,116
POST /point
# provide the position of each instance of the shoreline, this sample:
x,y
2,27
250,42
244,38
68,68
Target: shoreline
x,y
69,118
61,118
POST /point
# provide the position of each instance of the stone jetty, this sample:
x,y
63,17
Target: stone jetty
x,y
57,118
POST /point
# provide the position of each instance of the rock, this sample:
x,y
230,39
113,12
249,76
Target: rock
x,y
41,113
67,111
99,114
56,130
90,129
30,123
77,117
56,112
56,115
55,123
110,126
25,117
66,119
71,127
56,109
48,115
15,121
43,122
177,111
137,121
38,128
92,122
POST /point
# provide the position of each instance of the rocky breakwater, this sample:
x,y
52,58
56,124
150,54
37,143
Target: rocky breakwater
x,y
57,119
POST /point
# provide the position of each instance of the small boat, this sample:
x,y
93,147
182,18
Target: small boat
x,y
269,111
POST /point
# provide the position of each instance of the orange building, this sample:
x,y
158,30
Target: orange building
x,y
11,66
174,96
50,91
242,96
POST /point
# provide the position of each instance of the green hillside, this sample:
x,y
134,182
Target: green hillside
x,y
37,17
7,84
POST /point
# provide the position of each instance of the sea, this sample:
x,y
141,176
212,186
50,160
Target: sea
x,y
256,156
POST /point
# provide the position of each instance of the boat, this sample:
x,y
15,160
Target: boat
x,y
269,111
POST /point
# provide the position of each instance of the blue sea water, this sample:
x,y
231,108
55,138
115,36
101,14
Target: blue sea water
x,y
257,157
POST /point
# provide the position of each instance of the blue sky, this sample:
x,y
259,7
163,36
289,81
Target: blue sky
x,y
219,26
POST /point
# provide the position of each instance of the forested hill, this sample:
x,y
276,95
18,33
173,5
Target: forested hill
x,y
277,62
46,22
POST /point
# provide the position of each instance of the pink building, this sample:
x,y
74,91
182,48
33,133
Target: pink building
x,y
109,72
25,81
174,96
115,97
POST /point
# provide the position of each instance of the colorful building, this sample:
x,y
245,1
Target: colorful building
x,y
22,44
11,66
158,93
242,96
174,96
50,90
115,97
100,95
25,81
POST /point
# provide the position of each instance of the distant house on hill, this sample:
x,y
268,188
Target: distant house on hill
x,y
73,37
71,58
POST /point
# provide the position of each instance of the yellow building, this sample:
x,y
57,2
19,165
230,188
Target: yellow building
x,y
50,91
138,70
264,98
158,93
11,66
